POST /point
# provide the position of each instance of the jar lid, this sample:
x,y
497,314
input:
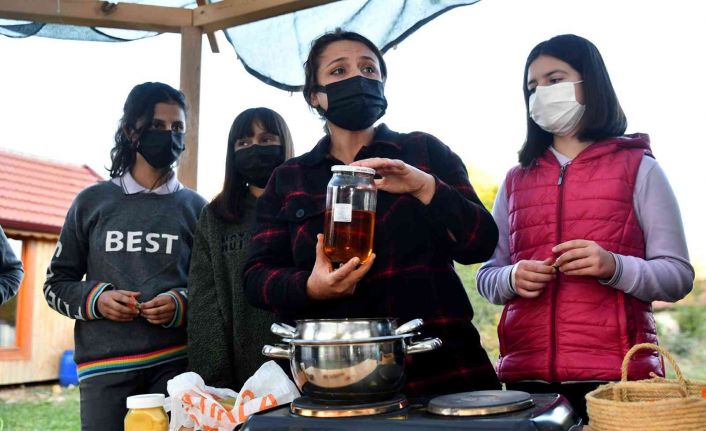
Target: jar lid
x,y
145,401
354,169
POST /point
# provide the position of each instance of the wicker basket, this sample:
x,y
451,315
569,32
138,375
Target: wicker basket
x,y
648,405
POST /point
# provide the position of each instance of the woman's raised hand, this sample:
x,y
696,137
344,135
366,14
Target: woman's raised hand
x,y
399,177
327,283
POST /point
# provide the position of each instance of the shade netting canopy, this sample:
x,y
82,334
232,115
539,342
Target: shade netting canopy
x,y
274,49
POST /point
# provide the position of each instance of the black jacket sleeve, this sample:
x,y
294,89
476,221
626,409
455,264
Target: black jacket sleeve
x,y
10,270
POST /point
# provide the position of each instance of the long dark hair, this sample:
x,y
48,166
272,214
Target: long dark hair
x,y
229,203
311,66
603,117
139,105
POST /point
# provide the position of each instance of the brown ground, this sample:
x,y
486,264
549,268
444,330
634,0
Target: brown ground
x,y
39,392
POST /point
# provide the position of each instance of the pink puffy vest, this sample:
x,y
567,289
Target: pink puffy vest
x,y
578,329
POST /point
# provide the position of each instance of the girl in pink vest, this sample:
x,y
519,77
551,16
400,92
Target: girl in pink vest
x,y
590,234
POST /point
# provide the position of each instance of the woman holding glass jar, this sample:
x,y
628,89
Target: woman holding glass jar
x,y
427,216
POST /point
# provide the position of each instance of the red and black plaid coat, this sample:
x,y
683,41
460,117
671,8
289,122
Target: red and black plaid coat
x,y
413,274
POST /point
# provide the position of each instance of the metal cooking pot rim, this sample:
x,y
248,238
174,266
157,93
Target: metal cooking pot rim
x,y
356,319
299,341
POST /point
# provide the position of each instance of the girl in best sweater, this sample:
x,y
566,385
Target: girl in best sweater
x,y
130,237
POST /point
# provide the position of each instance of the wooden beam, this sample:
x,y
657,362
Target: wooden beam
x,y
210,35
213,42
230,13
93,13
190,79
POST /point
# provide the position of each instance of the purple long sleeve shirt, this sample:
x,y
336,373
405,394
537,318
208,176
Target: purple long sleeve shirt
x,y
664,275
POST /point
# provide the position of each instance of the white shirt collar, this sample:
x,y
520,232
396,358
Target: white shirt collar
x,y
562,159
130,186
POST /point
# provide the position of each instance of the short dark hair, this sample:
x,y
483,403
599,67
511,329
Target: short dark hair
x,y
228,205
311,66
603,117
139,105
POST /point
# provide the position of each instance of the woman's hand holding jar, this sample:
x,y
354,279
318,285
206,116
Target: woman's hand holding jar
x,y
327,283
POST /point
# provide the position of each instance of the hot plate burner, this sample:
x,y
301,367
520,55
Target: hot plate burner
x,y
480,403
550,412
306,406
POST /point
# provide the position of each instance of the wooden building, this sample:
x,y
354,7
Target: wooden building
x,y
35,195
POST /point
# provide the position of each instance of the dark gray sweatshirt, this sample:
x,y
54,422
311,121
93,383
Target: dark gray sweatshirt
x,y
139,242
226,333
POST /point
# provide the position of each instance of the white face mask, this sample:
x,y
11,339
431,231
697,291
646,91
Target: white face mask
x,y
554,108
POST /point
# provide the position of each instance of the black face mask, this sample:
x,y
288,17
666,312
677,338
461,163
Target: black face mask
x,y
257,163
160,148
354,103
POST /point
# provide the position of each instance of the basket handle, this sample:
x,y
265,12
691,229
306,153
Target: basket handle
x,y
665,353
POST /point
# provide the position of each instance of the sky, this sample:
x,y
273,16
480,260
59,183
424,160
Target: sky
x,y
458,77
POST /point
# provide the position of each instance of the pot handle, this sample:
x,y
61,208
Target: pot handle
x,y
283,330
423,346
278,352
409,326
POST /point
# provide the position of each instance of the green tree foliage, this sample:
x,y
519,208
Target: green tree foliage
x,y
485,315
485,186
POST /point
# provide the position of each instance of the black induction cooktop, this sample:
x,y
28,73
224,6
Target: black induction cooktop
x,y
550,412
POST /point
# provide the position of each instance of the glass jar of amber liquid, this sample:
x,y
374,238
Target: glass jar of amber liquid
x,y
349,221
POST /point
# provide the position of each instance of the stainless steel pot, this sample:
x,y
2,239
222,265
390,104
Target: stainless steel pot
x,y
353,370
344,329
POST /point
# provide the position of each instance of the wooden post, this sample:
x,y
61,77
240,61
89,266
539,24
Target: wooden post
x,y
190,81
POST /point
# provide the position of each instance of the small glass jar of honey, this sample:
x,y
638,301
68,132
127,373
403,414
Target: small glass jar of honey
x,y
146,413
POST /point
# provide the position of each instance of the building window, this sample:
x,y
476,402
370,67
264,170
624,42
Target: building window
x,y
8,323
9,311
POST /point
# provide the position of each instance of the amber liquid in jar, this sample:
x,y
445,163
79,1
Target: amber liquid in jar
x,y
346,240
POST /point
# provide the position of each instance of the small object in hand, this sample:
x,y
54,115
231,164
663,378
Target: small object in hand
x,y
556,264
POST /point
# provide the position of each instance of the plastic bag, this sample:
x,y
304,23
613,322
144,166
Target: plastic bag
x,y
196,406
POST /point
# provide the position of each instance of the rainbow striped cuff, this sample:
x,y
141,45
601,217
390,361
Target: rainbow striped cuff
x,y
131,362
180,312
92,312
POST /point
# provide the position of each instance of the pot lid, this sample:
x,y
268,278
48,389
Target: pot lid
x,y
479,403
